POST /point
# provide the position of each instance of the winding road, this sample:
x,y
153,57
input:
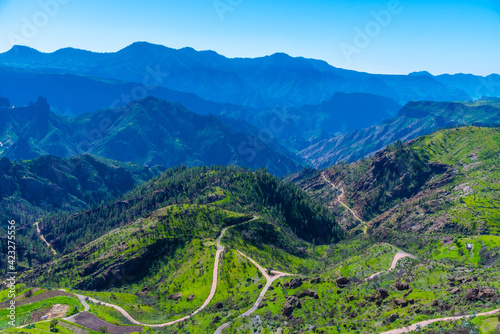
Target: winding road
x,y
428,322
220,249
270,279
43,238
354,214
399,255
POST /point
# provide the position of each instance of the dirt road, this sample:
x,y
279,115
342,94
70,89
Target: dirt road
x,y
354,214
43,238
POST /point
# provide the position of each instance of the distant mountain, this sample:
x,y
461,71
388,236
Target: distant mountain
x,y
475,86
260,82
298,128
150,131
72,95
415,119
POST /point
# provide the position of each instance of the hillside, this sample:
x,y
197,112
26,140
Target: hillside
x,y
192,249
413,120
445,182
31,189
229,188
263,82
150,131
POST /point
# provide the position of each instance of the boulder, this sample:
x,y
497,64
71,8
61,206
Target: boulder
x,y
393,317
401,286
175,296
308,293
342,282
316,280
291,304
261,305
486,294
191,297
401,302
475,294
295,283
455,291
382,293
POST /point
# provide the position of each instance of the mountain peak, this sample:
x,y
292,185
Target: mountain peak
x,y
421,73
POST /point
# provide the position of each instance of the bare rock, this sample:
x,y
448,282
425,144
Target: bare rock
x,y
291,304
175,296
342,282
401,286
308,293
382,293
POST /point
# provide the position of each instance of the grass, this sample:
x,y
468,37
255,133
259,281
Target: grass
x,y
23,313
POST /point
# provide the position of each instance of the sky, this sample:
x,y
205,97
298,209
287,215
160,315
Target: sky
x,y
390,37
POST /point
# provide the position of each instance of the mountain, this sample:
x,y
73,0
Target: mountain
x,y
69,94
298,128
260,82
31,189
413,120
440,182
475,86
150,131
227,241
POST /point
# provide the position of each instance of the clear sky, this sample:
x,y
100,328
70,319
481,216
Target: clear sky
x,y
439,36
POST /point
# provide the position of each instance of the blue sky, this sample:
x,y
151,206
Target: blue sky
x,y
440,36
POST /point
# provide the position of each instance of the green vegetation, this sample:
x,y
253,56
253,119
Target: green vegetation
x,y
24,313
152,252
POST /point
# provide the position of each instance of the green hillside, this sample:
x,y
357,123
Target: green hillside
x,y
152,252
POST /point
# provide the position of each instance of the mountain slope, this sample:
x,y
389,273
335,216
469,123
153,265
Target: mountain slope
x,y
31,189
444,182
229,188
260,82
297,128
413,120
150,132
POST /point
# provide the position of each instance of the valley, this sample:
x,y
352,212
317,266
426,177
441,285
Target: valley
x,y
157,190
206,249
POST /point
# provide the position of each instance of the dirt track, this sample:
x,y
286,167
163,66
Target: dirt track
x,y
91,321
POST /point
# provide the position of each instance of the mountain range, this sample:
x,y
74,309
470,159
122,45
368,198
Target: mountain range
x,y
266,82
150,131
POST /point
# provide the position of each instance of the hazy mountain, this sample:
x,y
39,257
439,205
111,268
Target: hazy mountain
x,y
415,119
260,82
150,131
72,95
298,128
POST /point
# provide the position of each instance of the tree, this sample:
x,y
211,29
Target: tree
x,y
53,324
